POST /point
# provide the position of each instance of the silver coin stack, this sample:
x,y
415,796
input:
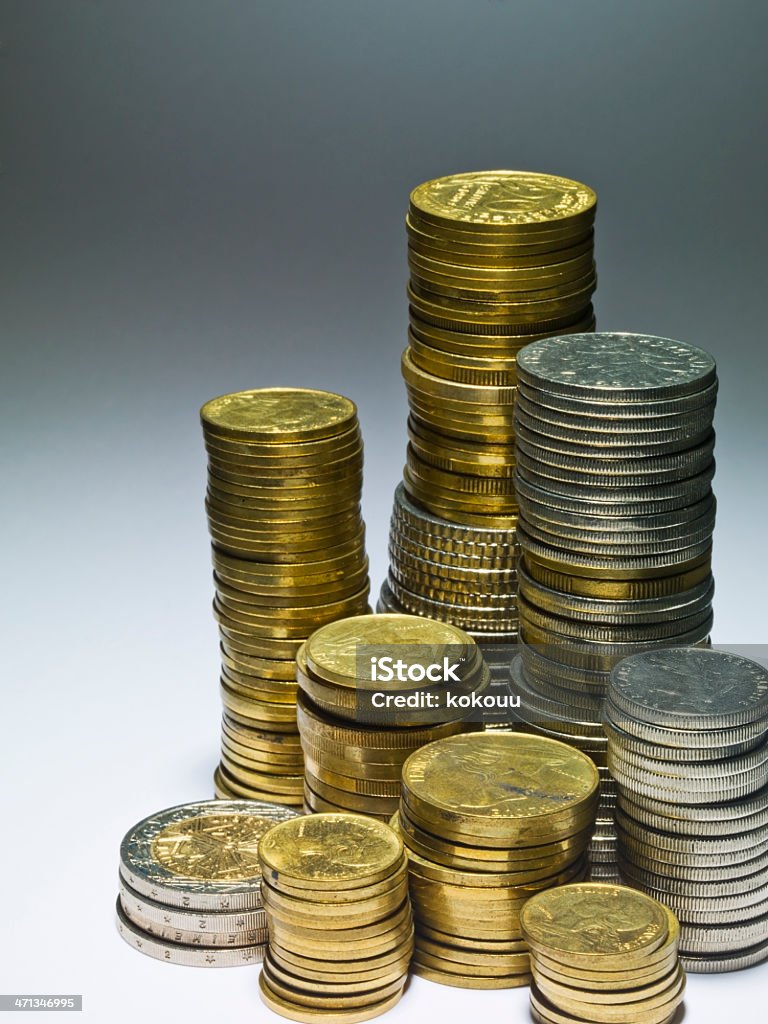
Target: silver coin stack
x,y
464,575
688,747
614,470
190,883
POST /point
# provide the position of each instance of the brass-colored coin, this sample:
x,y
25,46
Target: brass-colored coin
x,y
502,510
465,485
545,244
278,415
438,387
491,946
574,997
290,595
235,499
279,691
352,784
525,278
499,786
595,924
319,1015
274,764
333,916
335,981
488,341
276,783
469,980
358,769
505,202
331,851
391,886
247,770
359,962
286,553
242,492
464,369
499,257
429,304
262,740
657,1013
354,802
323,459
245,641
231,788
384,931
237,517
314,573
266,668
605,981
258,614
470,450
509,962
450,427
331,651
357,997
290,455
314,492
490,294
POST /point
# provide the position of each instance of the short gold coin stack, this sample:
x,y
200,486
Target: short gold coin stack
x,y
614,471
335,891
283,503
602,954
352,763
497,259
489,819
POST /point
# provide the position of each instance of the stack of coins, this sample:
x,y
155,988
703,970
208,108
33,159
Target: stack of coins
x,y
189,883
614,470
602,954
497,259
688,746
335,891
354,754
488,820
284,479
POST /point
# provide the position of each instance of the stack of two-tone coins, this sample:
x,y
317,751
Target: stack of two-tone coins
x,y
438,569
283,503
602,954
488,820
353,749
688,746
189,883
497,259
335,891
614,470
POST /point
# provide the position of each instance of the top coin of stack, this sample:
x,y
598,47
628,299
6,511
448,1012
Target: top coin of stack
x,y
283,503
602,954
688,746
353,750
614,470
189,883
335,892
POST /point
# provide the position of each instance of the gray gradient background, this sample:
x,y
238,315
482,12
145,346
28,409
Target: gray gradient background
x,y
201,197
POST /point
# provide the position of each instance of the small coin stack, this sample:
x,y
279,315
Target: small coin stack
x,y
283,503
688,746
335,891
602,954
614,470
189,883
489,819
497,259
354,766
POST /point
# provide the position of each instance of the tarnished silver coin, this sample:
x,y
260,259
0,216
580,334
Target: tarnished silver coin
x,y
616,366
691,688
201,856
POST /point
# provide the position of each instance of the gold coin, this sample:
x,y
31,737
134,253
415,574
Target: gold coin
x,y
318,1015
350,783
453,268
500,785
322,593
383,806
275,783
384,932
259,614
227,788
463,484
278,414
360,998
570,997
470,394
492,947
619,589
499,371
594,981
350,914
332,651
469,980
503,201
490,245
395,953
335,982
484,968
275,764
387,887
428,303
357,769
596,923
331,851
295,453
508,962
488,296
494,258
267,573
443,496
655,1011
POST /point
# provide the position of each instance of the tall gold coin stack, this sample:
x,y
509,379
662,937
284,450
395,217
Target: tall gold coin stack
x,y
335,891
614,470
602,954
688,746
283,503
497,259
354,766
488,820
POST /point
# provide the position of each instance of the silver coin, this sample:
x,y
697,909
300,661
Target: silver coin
x,y
495,585
734,961
714,888
662,840
453,562
535,507
600,424
499,619
692,688
419,558
695,791
708,743
187,955
607,411
437,527
687,819
589,706
703,914
718,939
597,478
700,866
249,923
534,701
752,764
614,366
625,499
155,863
628,460
611,633
204,939
627,743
